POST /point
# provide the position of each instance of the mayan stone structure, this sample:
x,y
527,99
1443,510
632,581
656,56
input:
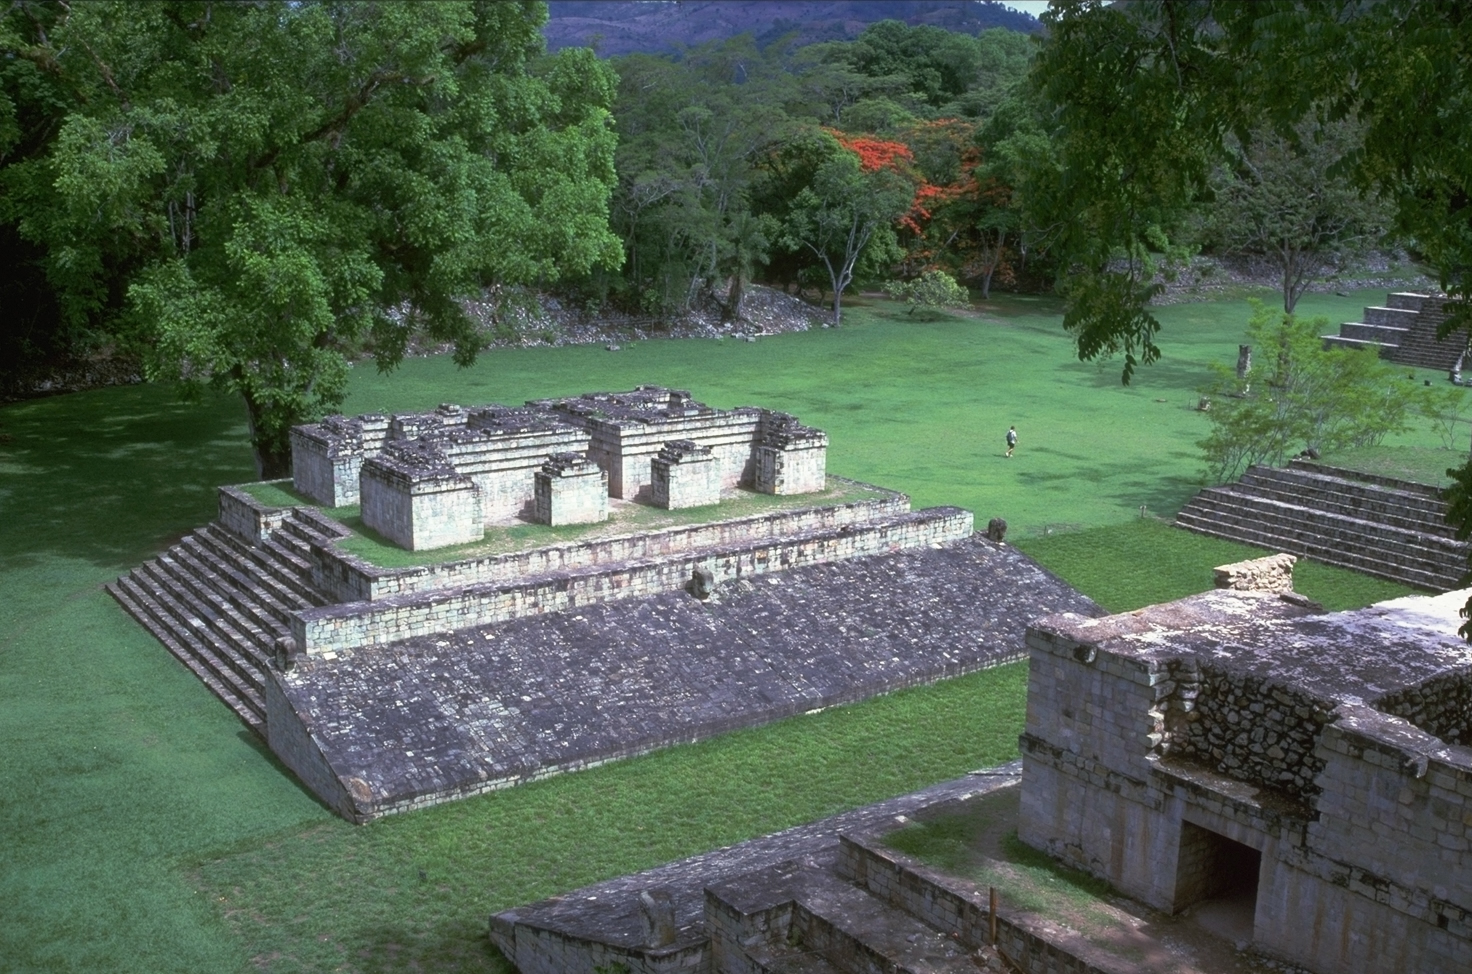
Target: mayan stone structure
x,y
389,689
1242,743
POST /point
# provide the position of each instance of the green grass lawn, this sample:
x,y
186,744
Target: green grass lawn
x,y
144,829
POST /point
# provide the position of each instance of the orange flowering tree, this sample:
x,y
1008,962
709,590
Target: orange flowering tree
x,y
861,187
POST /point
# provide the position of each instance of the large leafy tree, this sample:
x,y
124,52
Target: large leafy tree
x,y
247,191
1283,200
852,200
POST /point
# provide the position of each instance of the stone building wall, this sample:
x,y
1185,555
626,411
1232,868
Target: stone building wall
x,y
1361,822
418,502
1249,728
685,474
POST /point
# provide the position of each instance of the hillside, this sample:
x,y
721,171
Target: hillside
x,y
616,27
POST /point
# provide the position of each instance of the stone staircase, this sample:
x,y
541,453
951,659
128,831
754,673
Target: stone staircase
x,y
219,603
797,918
1404,332
1392,529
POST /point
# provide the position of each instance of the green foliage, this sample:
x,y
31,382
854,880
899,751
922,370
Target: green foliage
x,y
245,191
1299,395
1285,200
933,289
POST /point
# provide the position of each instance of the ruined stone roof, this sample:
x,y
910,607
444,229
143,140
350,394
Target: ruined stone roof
x,y
1353,657
559,690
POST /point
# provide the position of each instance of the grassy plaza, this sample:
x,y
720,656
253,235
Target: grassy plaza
x,y
145,829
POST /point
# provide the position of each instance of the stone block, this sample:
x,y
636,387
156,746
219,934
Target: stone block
x,y
1271,573
685,474
571,489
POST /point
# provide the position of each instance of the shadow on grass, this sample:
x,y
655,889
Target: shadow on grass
x,y
111,476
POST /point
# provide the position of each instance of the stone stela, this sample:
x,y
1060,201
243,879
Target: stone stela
x,y
428,480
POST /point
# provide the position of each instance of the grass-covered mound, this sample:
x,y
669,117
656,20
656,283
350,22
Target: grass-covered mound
x,y
145,829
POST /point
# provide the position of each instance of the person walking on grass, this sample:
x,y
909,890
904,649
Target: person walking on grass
x,y
1011,439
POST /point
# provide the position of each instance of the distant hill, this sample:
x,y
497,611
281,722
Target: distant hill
x,y
662,26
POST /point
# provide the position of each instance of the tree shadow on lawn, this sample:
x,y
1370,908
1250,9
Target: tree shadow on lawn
x,y
1167,375
112,475
1127,482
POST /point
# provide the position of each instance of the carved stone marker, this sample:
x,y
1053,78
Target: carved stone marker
x,y
702,583
996,529
657,910
1244,360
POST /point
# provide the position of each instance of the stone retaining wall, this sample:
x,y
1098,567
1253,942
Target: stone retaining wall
x,y
1441,706
347,578
342,628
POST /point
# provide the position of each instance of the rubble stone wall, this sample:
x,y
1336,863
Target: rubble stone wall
x,y
1441,706
1253,730
343,628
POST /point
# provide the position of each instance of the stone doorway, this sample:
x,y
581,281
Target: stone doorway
x,y
1217,878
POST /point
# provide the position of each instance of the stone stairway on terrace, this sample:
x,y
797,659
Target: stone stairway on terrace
x,y
1392,529
1404,331
219,603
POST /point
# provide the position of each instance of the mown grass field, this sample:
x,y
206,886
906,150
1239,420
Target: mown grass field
x,y
142,828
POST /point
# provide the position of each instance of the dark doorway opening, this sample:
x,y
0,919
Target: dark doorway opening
x,y
1219,877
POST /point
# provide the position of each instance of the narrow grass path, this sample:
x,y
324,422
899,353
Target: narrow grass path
x,y
142,828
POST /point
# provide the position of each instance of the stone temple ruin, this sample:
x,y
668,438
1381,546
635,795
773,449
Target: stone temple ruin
x,y
435,479
387,689
1243,744
1313,768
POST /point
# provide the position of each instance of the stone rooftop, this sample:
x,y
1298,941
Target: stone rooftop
x,y
1350,657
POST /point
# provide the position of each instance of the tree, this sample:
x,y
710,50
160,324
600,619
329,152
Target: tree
x,y
1282,199
246,192
1304,396
861,188
933,289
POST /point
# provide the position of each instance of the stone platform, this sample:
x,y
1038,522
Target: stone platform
x,y
426,720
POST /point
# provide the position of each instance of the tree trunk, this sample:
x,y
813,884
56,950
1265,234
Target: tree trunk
x,y
733,298
986,283
272,453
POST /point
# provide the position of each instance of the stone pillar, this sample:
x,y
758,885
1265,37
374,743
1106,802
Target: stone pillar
x,y
571,489
685,474
790,458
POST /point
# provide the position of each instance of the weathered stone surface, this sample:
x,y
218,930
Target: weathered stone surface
x,y
1271,573
996,529
571,489
431,719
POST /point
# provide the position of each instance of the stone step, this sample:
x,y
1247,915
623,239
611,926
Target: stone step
x,y
1407,499
1388,538
1401,318
198,655
282,579
1337,341
831,925
1406,300
1365,331
243,597
251,592
1358,477
1425,525
284,561
1417,515
1327,548
202,619
1320,550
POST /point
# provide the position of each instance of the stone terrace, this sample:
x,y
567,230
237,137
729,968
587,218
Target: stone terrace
x,y
429,719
